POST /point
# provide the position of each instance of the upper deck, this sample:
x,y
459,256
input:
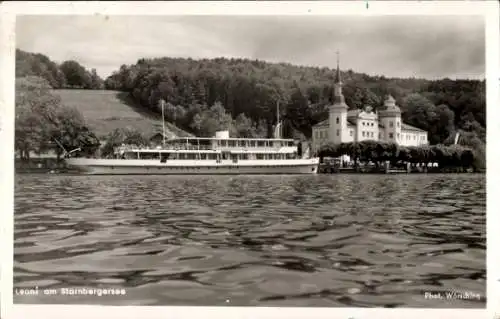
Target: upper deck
x,y
220,143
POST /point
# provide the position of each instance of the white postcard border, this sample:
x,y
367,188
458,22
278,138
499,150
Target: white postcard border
x,y
7,62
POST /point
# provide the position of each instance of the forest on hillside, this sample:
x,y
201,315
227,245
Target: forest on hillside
x,y
66,75
249,90
242,95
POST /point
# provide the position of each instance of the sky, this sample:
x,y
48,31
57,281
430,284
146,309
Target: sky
x,y
394,46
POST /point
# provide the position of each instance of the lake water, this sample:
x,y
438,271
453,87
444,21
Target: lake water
x,y
319,240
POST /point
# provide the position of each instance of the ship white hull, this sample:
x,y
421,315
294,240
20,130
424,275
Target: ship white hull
x,y
180,167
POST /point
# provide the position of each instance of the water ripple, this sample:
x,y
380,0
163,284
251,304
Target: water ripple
x,y
325,240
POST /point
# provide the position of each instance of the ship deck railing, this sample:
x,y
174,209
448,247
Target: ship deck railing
x,y
133,148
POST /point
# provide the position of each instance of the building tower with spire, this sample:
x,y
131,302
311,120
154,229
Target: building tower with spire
x,y
356,125
338,111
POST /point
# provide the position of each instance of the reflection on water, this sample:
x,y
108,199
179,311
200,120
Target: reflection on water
x,y
324,240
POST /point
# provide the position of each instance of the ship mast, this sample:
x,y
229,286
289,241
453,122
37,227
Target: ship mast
x,y
278,118
162,102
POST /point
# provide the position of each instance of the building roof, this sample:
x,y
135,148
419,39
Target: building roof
x,y
351,122
390,107
322,123
407,127
326,123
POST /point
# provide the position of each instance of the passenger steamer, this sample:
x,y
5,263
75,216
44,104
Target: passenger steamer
x,y
195,155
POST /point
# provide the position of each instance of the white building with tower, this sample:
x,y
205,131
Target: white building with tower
x,y
344,125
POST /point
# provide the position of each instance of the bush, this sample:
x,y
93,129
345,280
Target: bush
x,y
453,156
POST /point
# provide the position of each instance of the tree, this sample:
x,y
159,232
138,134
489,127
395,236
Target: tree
x,y
298,111
96,82
134,137
114,139
42,123
76,75
34,107
454,156
244,127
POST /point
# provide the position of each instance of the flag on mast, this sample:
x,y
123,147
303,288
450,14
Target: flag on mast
x,y
457,136
162,102
277,129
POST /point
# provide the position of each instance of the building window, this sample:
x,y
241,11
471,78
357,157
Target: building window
x,y
391,124
397,123
391,135
414,137
398,136
372,134
338,121
363,133
350,133
338,132
380,135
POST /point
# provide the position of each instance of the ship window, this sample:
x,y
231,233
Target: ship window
x,y
241,143
261,143
252,143
223,143
232,143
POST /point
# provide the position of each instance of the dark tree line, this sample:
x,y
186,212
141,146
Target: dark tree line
x,y
447,156
69,74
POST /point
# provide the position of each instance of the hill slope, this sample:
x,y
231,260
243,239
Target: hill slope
x,y
106,110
